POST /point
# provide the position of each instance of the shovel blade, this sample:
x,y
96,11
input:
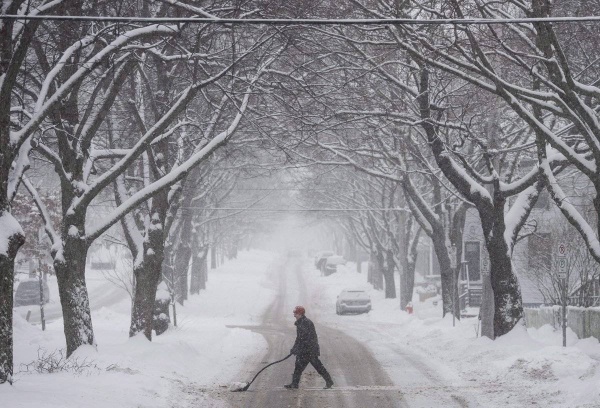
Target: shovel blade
x,y
239,387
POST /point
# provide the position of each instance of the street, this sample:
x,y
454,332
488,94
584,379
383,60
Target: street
x,y
360,380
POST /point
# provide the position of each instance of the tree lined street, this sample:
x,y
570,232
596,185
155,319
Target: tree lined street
x,y
443,148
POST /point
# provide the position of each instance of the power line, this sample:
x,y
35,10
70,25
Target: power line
x,y
273,189
307,21
292,209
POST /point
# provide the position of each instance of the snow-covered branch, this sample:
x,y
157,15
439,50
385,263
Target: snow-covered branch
x,y
176,174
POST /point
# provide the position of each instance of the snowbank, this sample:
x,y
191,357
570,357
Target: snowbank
x,y
172,370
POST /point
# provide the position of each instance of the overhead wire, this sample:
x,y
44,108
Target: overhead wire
x,y
306,21
291,209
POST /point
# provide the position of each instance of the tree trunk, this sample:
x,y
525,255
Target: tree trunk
x,y
375,274
405,297
161,314
508,306
406,287
486,312
406,291
203,271
199,267
390,287
407,277
182,260
388,269
149,272
449,284
7,267
213,257
182,276
70,275
147,277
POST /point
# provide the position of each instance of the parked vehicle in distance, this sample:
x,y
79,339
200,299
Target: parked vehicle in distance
x,y
321,258
353,301
331,263
28,293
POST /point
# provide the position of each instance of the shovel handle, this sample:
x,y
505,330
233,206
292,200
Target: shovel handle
x,y
263,369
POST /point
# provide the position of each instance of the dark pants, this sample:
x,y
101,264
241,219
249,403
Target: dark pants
x,y
302,361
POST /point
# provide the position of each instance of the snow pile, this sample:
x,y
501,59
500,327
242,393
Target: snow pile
x,y
237,386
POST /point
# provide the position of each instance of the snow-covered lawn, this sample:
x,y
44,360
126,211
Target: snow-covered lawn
x,y
523,368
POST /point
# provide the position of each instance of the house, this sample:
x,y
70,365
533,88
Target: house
x,y
537,254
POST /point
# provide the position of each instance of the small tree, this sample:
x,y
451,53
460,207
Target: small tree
x,y
582,271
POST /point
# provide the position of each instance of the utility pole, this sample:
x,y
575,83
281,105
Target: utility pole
x,y
564,282
454,283
42,300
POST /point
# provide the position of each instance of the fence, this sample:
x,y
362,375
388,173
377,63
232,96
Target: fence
x,y
585,322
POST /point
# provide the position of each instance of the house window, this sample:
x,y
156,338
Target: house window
x,y
538,248
473,259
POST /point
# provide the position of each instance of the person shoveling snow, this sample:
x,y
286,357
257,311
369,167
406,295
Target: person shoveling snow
x,y
306,349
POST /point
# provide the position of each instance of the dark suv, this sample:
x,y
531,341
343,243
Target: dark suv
x,y
28,293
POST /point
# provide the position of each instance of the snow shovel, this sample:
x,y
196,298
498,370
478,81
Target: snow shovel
x,y
240,387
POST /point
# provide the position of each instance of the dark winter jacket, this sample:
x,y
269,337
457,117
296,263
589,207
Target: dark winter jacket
x,y
306,338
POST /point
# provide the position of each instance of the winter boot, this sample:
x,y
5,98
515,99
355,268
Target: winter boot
x,y
292,386
328,380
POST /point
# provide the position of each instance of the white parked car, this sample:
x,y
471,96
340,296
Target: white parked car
x,y
353,301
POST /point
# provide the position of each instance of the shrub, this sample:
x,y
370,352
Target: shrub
x,y
56,362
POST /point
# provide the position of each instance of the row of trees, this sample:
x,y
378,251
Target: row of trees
x,y
129,111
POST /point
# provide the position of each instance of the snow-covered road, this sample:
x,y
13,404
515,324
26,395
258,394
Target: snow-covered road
x,y
360,380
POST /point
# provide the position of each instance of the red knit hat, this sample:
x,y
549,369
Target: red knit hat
x,y
299,310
